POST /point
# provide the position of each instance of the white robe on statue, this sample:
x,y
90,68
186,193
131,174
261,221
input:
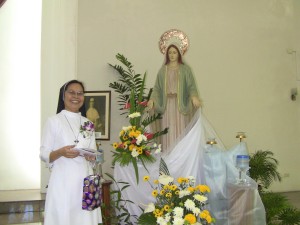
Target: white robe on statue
x,y
210,165
65,189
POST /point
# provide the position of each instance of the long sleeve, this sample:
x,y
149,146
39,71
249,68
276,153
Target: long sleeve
x,y
47,141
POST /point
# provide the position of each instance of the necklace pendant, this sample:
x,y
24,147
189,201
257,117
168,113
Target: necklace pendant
x,y
76,141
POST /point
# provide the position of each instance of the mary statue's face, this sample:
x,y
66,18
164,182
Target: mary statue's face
x,y
173,54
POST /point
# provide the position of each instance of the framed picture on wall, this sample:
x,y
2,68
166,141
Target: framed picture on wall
x,y
97,105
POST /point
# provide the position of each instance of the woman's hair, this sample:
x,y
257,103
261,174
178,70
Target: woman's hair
x,y
179,55
61,98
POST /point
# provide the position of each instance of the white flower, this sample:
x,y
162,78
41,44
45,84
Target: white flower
x,y
178,211
165,179
161,221
183,193
196,211
200,198
178,221
189,204
150,208
192,180
134,153
134,115
126,128
158,150
140,138
167,217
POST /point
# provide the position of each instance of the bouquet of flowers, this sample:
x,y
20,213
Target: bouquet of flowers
x,y
176,204
87,129
136,143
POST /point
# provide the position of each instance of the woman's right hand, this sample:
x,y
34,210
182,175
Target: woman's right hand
x,y
66,151
69,152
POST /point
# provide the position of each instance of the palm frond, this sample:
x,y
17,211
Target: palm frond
x,y
163,168
147,219
263,168
289,216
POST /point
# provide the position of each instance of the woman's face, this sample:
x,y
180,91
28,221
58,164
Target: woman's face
x,y
173,54
74,97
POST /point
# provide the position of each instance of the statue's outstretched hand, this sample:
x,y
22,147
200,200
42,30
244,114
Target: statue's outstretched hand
x,y
196,102
150,104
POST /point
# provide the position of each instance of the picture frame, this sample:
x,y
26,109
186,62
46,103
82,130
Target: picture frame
x,y
98,110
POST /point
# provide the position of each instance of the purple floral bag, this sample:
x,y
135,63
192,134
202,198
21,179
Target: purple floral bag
x,y
92,192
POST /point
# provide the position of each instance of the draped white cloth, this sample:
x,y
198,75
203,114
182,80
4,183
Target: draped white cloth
x,y
209,165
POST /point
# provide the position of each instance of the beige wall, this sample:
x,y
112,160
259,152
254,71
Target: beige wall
x,y
238,52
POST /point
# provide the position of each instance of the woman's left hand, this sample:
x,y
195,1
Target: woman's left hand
x,y
89,157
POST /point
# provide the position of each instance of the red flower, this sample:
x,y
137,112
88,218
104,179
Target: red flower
x,y
148,135
147,152
144,103
127,105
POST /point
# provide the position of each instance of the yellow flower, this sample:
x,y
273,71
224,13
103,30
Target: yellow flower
x,y
131,147
166,187
154,193
122,132
140,150
190,218
204,214
169,195
155,182
166,207
115,145
191,189
131,134
146,178
179,180
208,219
177,192
173,187
203,188
162,192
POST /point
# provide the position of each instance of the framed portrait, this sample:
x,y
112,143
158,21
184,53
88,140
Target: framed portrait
x,y
97,105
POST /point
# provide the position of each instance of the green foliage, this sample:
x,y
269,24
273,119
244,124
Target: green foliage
x,y
119,204
129,82
136,143
264,171
263,168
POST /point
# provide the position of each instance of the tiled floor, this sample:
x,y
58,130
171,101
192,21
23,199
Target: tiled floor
x,y
31,213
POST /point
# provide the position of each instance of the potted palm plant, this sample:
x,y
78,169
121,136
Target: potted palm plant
x,y
264,172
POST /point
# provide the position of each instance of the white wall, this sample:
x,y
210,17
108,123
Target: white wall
x,y
58,58
238,52
20,34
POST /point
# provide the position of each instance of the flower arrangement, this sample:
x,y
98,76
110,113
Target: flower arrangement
x,y
87,129
136,143
176,204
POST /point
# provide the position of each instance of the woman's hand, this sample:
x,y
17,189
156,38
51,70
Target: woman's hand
x,y
65,151
196,102
69,152
90,158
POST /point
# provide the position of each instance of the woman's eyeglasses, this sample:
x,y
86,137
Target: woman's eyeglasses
x,y
76,93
